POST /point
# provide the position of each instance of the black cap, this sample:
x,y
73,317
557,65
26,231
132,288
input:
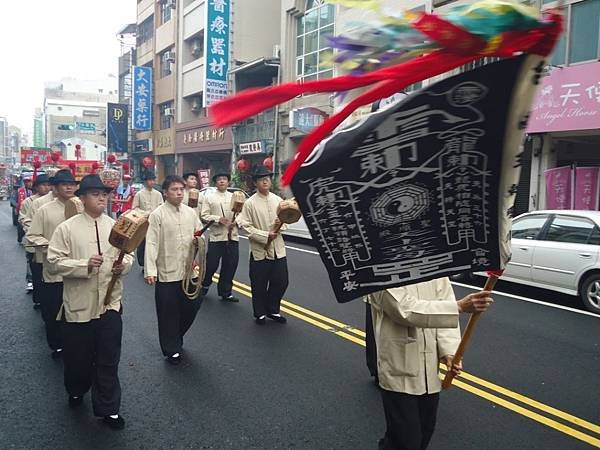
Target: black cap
x,y
261,172
190,174
40,179
221,173
148,175
91,182
63,176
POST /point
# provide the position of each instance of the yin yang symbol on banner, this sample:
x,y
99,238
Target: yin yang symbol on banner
x,y
424,188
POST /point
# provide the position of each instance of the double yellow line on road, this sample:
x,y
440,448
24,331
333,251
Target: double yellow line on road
x,y
482,388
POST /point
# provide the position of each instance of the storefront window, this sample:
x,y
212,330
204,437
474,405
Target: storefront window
x,y
313,54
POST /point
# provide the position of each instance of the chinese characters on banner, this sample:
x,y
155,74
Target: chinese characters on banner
x,y
216,44
204,178
422,189
142,98
568,99
586,188
559,188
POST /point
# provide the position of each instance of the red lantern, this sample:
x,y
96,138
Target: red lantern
x,y
37,163
268,163
72,166
55,156
243,165
147,162
111,158
126,168
78,147
95,166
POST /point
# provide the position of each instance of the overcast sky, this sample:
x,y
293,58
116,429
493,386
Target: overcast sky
x,y
44,40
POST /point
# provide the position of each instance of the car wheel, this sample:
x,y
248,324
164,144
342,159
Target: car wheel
x,y
590,293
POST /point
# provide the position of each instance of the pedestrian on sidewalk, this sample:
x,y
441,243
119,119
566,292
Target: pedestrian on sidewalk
x,y
416,327
268,262
44,222
41,186
168,244
147,200
223,244
92,331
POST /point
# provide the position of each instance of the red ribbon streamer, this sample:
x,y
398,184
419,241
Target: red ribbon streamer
x,y
250,102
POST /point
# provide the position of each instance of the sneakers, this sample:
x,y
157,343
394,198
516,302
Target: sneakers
x,y
75,402
37,306
116,423
260,320
230,298
174,359
204,291
277,318
29,288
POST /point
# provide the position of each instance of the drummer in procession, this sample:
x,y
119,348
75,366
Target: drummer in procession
x,y
39,234
41,186
268,267
191,182
81,254
147,200
223,247
168,244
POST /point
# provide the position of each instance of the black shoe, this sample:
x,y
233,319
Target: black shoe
x,y
204,291
260,320
75,402
115,424
175,360
230,298
36,306
277,318
56,354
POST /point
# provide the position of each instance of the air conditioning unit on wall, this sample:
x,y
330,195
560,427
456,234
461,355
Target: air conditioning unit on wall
x,y
197,104
170,112
170,56
197,47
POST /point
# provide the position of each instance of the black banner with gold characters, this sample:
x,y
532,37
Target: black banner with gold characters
x,y
117,127
423,188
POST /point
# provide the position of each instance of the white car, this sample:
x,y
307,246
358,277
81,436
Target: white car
x,y
560,251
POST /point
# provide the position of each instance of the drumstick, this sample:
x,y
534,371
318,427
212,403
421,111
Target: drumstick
x,y
98,238
489,285
276,230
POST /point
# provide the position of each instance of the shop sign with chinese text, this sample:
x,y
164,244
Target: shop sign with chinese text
x,y
142,98
251,148
216,44
568,99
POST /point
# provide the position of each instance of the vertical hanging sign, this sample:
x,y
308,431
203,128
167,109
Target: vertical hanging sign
x,y
142,98
216,47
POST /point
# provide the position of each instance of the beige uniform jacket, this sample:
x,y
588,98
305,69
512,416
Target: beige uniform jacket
x,y
45,221
186,199
169,241
214,207
257,218
414,327
147,200
25,218
70,249
35,207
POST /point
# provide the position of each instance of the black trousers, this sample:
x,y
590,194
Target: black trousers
x,y
228,254
51,301
141,253
371,347
175,313
269,280
410,420
28,274
91,355
36,279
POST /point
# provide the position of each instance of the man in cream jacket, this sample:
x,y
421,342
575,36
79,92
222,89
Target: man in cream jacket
x,y
416,327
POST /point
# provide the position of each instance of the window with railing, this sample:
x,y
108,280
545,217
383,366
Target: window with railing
x,y
166,63
313,54
145,31
580,41
165,11
165,111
